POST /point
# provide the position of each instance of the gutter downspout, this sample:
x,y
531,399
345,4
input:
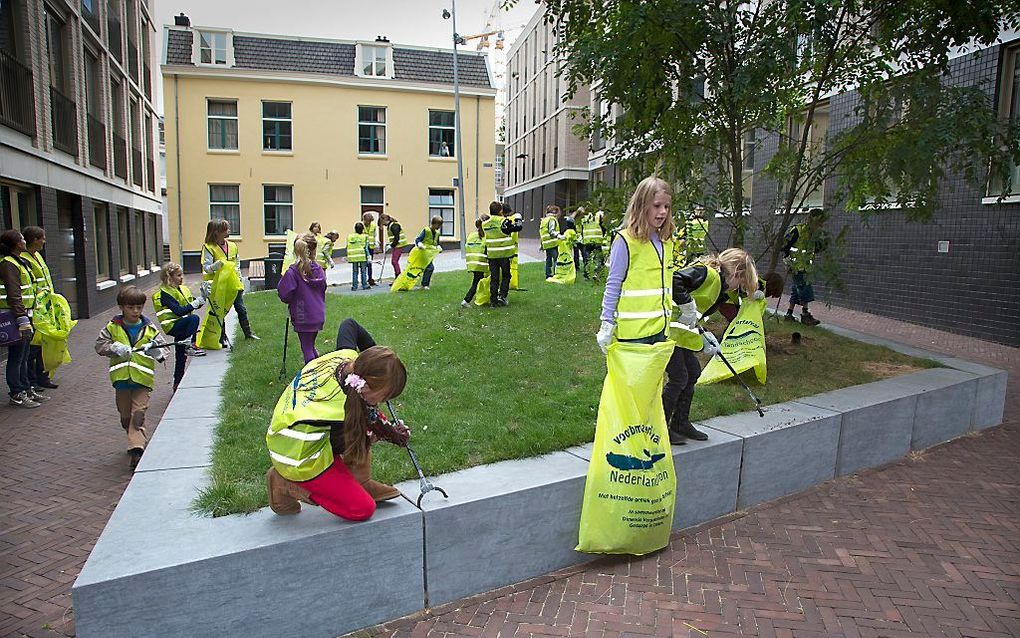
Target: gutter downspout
x,y
177,153
478,126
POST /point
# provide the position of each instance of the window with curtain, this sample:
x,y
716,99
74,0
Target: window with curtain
x,y
225,203
372,130
441,134
441,205
222,123
276,126
278,203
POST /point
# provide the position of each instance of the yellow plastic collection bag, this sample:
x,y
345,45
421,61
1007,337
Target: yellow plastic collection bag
x,y
743,345
289,257
630,492
225,285
53,323
565,273
482,297
515,280
417,261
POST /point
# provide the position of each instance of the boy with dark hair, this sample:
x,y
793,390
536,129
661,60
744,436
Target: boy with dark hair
x,y
131,341
803,241
497,234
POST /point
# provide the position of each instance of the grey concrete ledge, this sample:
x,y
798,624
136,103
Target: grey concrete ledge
x,y
160,570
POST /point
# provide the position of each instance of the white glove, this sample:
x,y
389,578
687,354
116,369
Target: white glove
x,y
120,349
216,265
206,289
689,314
420,246
758,295
711,344
439,248
198,303
605,335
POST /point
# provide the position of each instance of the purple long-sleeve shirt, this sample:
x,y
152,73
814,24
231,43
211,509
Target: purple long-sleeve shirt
x,y
619,261
305,298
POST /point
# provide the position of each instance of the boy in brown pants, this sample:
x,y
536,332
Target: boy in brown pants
x,y
130,340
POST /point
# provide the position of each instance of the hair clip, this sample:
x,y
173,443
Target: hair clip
x,y
354,381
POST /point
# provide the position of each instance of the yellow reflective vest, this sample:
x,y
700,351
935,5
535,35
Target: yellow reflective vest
x,y
646,301
477,261
402,239
230,257
40,271
325,253
591,229
498,245
298,435
28,292
136,367
548,228
373,236
165,316
704,297
356,243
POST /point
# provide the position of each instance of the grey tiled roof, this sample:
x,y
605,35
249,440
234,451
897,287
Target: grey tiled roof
x,y
335,58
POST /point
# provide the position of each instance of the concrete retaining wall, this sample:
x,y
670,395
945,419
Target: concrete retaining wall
x,y
160,570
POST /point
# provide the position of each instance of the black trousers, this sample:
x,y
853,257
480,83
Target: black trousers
x,y
352,336
682,373
499,282
476,277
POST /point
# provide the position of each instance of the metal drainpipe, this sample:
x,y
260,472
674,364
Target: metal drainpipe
x,y
177,153
478,126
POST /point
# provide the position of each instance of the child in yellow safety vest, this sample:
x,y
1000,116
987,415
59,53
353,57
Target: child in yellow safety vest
x,y
357,256
477,261
132,343
17,296
35,239
175,311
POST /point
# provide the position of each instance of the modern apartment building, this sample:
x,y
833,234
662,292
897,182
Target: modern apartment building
x,y
274,132
545,163
77,140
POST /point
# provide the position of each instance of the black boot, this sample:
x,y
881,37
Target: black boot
x,y
675,437
682,416
807,319
687,429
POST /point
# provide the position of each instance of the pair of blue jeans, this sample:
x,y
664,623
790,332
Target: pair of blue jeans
x,y
550,261
17,367
184,330
359,269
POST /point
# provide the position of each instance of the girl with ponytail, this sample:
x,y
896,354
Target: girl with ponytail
x,y
303,289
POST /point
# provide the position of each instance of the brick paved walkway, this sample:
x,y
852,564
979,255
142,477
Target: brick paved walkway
x,y
928,546
63,467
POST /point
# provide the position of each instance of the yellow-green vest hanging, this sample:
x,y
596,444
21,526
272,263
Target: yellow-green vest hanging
x,y
136,367
476,259
645,298
218,255
498,245
325,253
546,234
165,316
373,240
356,243
298,435
704,298
591,230
40,271
402,240
27,286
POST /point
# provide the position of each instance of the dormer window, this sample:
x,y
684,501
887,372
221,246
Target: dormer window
x,y
214,48
374,61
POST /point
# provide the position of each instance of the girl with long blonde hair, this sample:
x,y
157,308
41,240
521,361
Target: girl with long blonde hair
x,y
303,289
636,303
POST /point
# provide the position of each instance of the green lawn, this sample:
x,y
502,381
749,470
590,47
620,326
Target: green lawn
x,y
486,385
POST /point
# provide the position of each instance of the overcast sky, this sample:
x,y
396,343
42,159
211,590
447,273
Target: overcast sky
x,y
417,22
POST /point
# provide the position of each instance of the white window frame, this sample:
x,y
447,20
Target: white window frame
x,y
209,117
359,56
452,207
1006,79
196,47
383,124
361,198
439,127
235,230
265,203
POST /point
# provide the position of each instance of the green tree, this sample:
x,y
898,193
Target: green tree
x,y
700,83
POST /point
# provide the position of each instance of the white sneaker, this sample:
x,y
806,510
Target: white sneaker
x,y
424,287
36,396
464,304
21,400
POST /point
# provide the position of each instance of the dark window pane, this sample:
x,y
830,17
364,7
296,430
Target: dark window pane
x,y
276,109
441,118
371,194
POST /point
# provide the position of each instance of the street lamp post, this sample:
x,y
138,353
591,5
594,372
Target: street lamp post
x,y
452,14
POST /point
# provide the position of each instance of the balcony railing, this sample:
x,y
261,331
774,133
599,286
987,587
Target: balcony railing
x,y
148,81
97,142
65,122
119,156
116,38
16,95
152,176
91,16
136,166
132,56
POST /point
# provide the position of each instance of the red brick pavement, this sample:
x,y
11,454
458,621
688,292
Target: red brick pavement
x,y
63,467
928,546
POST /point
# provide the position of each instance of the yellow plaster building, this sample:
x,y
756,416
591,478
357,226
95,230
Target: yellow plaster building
x,y
275,132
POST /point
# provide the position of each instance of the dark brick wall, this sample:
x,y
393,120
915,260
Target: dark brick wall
x,y
892,266
532,203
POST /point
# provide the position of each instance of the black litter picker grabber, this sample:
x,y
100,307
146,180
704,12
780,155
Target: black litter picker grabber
x,y
424,485
754,397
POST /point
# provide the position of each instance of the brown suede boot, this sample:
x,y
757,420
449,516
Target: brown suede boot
x,y
378,491
280,499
